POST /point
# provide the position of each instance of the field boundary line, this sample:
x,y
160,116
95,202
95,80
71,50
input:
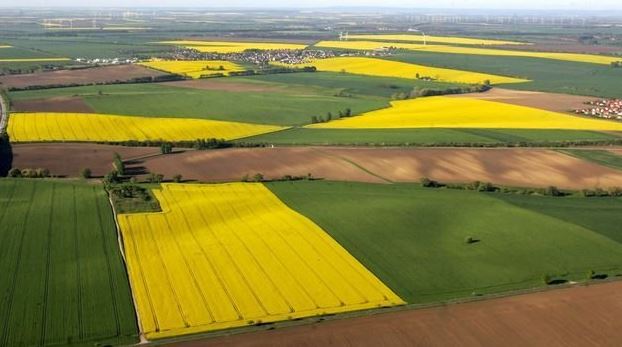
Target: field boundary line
x,y
4,113
353,163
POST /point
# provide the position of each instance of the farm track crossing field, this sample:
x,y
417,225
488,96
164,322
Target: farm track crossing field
x,y
387,68
436,39
83,127
63,279
233,255
371,45
194,68
232,47
422,232
449,112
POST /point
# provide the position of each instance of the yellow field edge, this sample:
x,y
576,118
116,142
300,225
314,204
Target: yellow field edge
x,y
193,68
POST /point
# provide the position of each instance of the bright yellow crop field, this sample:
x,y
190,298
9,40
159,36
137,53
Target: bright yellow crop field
x,y
451,112
372,45
4,46
193,68
388,68
437,39
231,255
232,47
44,127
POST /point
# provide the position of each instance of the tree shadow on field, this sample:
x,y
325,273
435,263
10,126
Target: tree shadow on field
x,y
134,168
6,155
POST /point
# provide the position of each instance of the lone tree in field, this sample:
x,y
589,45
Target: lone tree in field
x,y
86,173
166,148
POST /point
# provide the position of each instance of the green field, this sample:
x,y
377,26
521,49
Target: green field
x,y
601,157
423,137
283,107
413,238
63,279
547,75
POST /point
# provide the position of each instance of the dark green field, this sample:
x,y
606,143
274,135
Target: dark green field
x,y
63,279
601,157
424,137
547,75
285,107
413,238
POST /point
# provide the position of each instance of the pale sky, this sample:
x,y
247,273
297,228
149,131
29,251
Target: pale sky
x,y
449,4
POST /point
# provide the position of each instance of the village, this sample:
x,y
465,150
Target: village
x,y
604,108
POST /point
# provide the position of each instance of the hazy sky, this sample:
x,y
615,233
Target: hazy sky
x,y
475,4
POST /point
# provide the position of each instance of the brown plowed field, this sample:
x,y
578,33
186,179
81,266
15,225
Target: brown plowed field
x,y
60,104
546,101
68,159
82,76
579,316
513,167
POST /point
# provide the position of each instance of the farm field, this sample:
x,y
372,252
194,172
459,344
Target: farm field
x,y
603,157
436,39
386,68
79,76
546,75
372,45
517,247
195,68
503,166
231,46
84,127
63,275
248,259
295,106
446,112
585,315
425,137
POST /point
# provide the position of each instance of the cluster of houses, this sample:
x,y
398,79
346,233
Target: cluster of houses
x,y
107,61
606,108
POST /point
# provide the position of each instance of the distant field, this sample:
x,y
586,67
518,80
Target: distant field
x,y
436,39
601,157
283,107
233,255
386,68
194,68
546,75
84,127
63,280
231,46
447,112
422,232
372,45
423,137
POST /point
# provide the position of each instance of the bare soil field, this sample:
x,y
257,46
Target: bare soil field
x,y
101,74
59,104
546,101
68,159
212,84
512,167
578,316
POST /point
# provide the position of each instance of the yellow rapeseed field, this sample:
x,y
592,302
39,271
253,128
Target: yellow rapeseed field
x,y
231,255
232,47
5,46
373,45
43,127
437,39
388,68
449,112
194,68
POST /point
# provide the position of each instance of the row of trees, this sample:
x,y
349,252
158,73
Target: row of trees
x,y
329,116
29,173
425,92
146,79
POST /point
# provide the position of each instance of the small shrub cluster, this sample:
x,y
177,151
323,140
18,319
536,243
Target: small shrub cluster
x,y
259,177
616,64
425,92
489,187
329,116
29,173
599,192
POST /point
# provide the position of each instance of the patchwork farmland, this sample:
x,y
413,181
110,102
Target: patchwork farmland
x,y
350,176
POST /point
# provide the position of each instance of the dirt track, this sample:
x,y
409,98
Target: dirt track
x,y
546,101
69,159
580,316
83,76
514,167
